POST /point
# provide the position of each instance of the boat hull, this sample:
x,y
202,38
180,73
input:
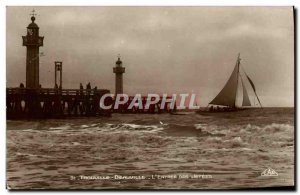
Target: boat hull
x,y
212,112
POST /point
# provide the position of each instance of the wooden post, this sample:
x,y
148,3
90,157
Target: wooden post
x,y
55,74
60,84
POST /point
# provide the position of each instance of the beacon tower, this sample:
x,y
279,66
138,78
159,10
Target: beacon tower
x,y
119,70
32,41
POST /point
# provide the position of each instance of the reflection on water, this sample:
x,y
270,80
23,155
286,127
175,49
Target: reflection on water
x,y
234,148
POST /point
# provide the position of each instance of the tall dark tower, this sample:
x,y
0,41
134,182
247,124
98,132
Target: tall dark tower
x,y
32,41
119,70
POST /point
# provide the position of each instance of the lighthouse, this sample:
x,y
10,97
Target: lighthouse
x,y
32,41
119,70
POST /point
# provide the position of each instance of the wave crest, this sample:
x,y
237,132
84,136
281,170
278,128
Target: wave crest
x,y
273,128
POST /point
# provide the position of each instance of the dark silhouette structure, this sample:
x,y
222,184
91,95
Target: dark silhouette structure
x,y
32,41
119,70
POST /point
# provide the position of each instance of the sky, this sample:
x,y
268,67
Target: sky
x,y
164,49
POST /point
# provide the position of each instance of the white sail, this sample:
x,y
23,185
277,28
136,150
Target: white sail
x,y
246,101
227,95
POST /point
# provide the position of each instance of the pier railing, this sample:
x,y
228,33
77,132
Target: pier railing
x,y
51,91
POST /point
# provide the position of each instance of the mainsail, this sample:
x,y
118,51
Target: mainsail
x,y
246,101
227,95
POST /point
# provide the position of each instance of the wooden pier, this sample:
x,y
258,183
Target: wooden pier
x,y
26,103
44,103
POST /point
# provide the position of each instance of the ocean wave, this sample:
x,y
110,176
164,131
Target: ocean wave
x,y
64,127
32,155
273,128
220,142
85,126
200,126
235,142
213,140
100,127
29,130
132,138
132,127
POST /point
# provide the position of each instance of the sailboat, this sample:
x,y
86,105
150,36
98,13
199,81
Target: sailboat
x,y
226,100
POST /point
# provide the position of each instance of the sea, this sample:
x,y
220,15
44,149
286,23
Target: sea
x,y
246,149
